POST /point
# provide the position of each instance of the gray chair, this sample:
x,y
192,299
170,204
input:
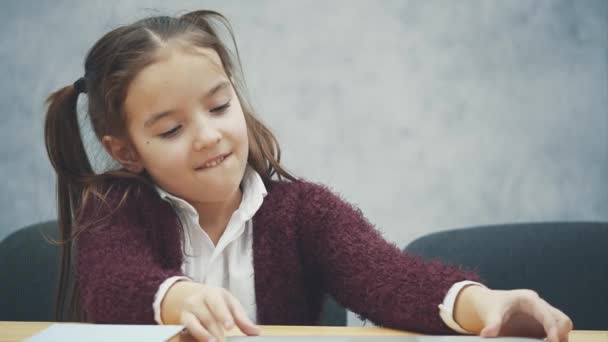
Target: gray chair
x,y
28,277
28,274
565,262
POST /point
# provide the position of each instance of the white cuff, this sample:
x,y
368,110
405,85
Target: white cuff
x,y
446,309
160,295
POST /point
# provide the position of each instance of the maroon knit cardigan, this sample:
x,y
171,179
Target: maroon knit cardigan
x,y
307,242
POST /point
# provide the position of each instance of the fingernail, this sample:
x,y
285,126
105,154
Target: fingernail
x,y
228,324
211,339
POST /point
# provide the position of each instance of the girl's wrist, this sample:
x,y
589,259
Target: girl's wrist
x,y
173,304
467,306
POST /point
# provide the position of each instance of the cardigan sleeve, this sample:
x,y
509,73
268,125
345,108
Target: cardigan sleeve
x,y
124,257
367,274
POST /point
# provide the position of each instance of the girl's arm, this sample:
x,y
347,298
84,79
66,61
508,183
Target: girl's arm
x,y
124,258
373,278
367,274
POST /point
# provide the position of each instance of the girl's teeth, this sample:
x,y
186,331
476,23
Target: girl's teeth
x,y
214,163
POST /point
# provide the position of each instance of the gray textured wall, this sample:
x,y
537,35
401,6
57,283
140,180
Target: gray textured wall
x,y
426,114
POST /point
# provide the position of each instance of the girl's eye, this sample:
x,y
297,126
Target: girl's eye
x,y
221,109
170,133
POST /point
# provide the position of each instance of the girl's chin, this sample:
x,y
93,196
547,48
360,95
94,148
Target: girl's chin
x,y
221,189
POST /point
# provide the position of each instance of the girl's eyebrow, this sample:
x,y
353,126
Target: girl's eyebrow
x,y
154,118
223,84
157,117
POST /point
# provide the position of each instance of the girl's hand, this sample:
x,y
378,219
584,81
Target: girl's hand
x,y
495,313
210,311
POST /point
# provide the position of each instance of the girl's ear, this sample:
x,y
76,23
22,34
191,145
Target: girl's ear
x,y
121,151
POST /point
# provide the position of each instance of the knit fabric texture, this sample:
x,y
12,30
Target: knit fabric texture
x,y
307,242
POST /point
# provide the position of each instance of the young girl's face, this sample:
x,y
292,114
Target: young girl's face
x,y
187,126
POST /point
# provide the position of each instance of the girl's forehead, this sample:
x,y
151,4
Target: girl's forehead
x,y
175,77
187,70
182,48
182,62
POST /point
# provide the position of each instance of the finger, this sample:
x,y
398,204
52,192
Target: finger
x,y
493,325
492,329
539,309
564,323
185,336
240,316
194,327
208,320
220,310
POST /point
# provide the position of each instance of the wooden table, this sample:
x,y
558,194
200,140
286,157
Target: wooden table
x,y
17,331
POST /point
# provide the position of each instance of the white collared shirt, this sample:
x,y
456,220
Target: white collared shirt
x,y
229,264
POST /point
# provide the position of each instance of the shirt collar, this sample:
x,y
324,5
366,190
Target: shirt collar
x,y
253,188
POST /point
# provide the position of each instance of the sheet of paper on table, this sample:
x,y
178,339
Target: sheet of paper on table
x,y
106,332
376,339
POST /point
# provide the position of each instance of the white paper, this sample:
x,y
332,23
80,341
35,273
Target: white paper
x,y
106,332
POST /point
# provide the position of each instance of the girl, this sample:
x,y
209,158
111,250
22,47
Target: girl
x,y
202,226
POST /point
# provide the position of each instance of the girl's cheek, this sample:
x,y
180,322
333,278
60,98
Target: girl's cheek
x,y
241,126
165,152
177,150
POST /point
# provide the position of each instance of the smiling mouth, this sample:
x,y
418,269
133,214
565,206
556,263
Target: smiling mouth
x,y
213,163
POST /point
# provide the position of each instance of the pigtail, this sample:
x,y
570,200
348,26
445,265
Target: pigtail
x,y
68,157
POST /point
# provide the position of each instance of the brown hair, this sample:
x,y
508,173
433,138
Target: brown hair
x,y
110,66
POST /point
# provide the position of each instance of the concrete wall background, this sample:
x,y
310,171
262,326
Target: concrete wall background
x,y
428,115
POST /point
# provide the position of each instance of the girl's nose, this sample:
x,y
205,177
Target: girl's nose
x,y
207,135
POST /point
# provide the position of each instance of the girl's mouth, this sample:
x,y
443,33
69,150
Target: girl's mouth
x,y
214,162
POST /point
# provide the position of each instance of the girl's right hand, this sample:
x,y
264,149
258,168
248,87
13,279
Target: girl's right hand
x,y
210,311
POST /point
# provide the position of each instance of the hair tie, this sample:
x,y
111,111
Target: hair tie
x,y
80,86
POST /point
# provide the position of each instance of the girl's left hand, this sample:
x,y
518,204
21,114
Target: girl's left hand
x,y
515,313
